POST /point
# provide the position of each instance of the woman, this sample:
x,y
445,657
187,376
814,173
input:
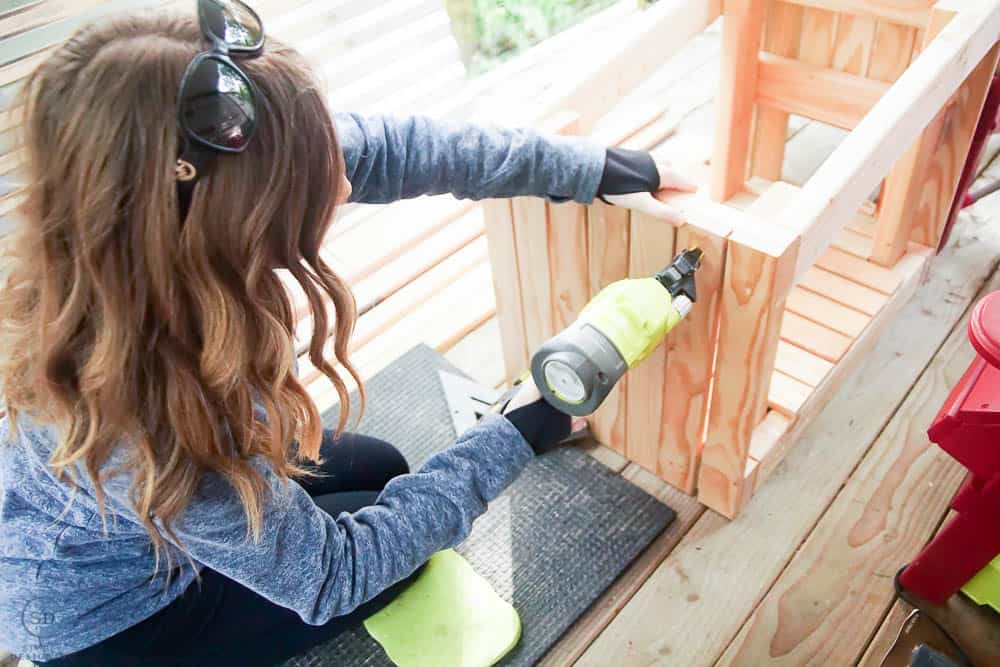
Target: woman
x,y
169,495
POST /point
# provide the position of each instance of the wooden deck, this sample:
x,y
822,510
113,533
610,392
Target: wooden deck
x,y
804,576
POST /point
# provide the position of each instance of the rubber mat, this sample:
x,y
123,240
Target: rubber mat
x,y
550,545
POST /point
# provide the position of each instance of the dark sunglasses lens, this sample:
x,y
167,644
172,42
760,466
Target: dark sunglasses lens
x,y
217,105
233,23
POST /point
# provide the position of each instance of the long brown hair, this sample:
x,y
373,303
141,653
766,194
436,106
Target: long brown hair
x,y
123,323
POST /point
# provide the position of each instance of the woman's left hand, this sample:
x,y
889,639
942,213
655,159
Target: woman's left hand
x,y
651,204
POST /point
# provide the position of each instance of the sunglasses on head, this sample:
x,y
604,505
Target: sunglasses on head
x,y
217,103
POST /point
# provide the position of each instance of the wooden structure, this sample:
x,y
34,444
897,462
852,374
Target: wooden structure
x,y
805,575
797,283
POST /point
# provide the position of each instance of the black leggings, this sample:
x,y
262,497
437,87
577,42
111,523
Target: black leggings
x,y
221,622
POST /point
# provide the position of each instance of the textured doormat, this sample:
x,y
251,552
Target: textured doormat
x,y
550,545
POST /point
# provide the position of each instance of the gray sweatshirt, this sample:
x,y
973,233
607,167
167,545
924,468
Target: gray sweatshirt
x,y
65,584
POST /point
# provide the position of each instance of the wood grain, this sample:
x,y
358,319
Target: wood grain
x,y
835,98
576,640
898,202
854,243
853,49
829,313
840,582
531,238
737,95
754,288
608,247
856,167
814,337
391,232
499,222
943,170
866,273
886,635
818,36
892,51
568,262
410,297
651,247
711,582
907,12
781,37
787,395
421,258
844,291
690,358
800,364
902,188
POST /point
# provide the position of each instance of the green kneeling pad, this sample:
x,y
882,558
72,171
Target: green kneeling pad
x,y
448,617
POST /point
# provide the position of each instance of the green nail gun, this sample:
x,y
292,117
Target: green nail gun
x,y
577,369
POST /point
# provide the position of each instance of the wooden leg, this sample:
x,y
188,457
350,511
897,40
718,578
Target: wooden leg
x,y
893,51
737,94
758,277
898,202
784,21
651,247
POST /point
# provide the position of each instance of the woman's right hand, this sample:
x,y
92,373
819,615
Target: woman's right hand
x,y
544,427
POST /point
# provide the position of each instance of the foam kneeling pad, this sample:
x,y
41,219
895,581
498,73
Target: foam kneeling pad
x,y
448,617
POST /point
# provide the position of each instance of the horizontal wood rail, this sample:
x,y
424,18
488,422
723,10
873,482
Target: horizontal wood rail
x,y
826,95
908,12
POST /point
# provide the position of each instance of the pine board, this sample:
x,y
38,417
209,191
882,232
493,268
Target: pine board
x,y
711,582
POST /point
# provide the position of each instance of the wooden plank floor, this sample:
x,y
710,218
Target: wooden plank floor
x,y
804,576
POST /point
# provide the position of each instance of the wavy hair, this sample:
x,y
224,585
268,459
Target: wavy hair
x,y
121,322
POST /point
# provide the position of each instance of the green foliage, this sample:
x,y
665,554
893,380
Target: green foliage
x,y
502,28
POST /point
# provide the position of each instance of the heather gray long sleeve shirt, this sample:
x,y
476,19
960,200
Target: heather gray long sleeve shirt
x,y
66,585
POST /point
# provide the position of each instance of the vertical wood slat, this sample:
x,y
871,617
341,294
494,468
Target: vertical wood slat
x,y
737,95
690,361
855,40
817,39
523,264
651,247
770,130
901,188
608,249
499,222
531,239
892,51
756,282
568,262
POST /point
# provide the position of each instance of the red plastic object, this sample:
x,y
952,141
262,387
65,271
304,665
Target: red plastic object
x,y
968,428
984,328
